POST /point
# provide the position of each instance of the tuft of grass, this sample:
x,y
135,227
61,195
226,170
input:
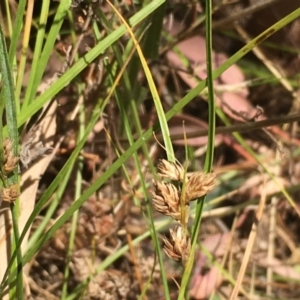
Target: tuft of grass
x,y
121,50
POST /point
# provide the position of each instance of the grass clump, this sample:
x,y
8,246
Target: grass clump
x,y
89,92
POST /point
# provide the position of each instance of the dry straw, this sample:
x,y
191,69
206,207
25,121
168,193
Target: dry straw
x,y
174,199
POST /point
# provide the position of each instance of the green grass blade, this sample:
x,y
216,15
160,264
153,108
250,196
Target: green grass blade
x,y
36,77
7,96
152,39
35,65
210,148
65,79
18,23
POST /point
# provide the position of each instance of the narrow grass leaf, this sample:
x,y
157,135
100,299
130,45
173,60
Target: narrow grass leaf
x,y
7,96
64,80
35,78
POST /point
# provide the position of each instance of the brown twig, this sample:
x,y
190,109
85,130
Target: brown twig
x,y
245,12
241,127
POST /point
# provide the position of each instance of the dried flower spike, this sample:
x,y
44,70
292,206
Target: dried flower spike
x,y
198,185
170,170
10,194
178,247
166,200
7,145
10,161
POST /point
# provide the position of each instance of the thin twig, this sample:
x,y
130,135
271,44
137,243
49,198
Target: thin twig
x,y
245,12
250,244
241,127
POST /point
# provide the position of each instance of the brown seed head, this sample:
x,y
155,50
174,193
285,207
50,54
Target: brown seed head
x,y
198,185
10,194
178,247
173,171
10,161
166,199
7,145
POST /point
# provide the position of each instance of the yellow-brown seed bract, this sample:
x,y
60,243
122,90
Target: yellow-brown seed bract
x,y
173,200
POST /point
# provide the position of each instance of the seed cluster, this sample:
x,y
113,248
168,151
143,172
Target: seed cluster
x,y
10,193
173,199
10,161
